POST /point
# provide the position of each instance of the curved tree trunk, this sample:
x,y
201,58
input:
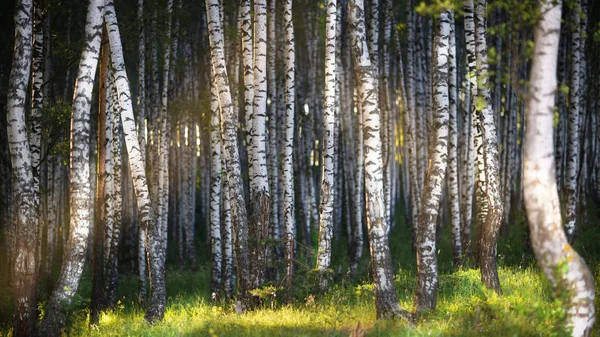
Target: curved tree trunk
x,y
23,256
564,268
229,139
156,308
489,177
80,180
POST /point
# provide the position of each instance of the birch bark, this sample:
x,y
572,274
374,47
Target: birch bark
x,y
23,258
564,268
328,181
80,180
156,308
229,139
386,300
427,273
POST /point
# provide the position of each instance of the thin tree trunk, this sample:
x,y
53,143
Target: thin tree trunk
x,y
112,254
573,137
453,176
469,23
105,186
288,169
328,181
273,159
215,195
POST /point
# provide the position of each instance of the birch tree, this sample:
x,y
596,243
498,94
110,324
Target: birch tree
x,y
142,272
488,173
80,180
427,273
564,268
453,176
469,115
215,194
229,139
157,303
260,199
288,167
23,257
574,128
328,181
386,300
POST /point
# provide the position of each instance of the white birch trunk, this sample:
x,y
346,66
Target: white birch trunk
x,y
489,171
427,273
81,202
328,181
288,168
215,194
386,300
564,268
229,139
573,161
156,308
453,176
24,237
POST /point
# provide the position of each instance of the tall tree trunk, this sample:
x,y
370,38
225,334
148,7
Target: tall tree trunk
x,y
288,168
453,176
80,180
163,146
564,268
469,114
386,299
141,250
273,159
229,139
215,194
156,308
488,179
427,273
105,186
573,137
328,181
112,253
24,237
260,199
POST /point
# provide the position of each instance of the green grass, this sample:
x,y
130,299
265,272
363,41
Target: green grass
x,y
464,307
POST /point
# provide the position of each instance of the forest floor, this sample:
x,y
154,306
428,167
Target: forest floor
x,y
464,307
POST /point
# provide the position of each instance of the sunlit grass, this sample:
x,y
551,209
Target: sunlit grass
x,y
464,307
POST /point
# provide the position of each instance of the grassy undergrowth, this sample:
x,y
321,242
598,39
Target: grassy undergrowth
x,y
464,307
